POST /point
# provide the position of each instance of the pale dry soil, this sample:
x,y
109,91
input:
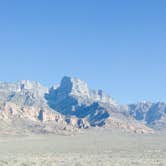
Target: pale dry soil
x,y
91,148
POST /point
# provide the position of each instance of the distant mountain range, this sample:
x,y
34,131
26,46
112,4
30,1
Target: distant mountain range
x,y
70,106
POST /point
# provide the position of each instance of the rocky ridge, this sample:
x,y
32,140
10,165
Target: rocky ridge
x,y
72,106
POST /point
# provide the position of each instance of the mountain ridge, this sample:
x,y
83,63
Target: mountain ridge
x,y
71,105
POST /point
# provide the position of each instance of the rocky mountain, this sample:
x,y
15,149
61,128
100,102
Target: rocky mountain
x,y
71,106
151,114
73,99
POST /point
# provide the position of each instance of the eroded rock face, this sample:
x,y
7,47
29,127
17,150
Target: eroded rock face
x,y
11,110
34,118
152,114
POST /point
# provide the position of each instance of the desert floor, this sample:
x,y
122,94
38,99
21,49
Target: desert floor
x,y
90,148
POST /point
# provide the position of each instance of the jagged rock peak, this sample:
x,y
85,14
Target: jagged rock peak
x,y
79,89
74,86
22,85
27,84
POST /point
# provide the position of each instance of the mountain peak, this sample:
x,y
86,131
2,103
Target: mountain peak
x,y
74,86
27,84
79,89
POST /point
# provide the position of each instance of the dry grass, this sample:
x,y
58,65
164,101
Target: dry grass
x,y
94,148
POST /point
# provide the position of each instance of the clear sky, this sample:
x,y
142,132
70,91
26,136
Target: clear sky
x,y
115,45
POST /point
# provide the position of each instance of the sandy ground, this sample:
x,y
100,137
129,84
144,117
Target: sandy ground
x,y
92,148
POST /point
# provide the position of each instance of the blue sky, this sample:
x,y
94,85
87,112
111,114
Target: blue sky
x,y
115,45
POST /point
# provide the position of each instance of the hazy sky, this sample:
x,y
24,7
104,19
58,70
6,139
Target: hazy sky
x,y
115,45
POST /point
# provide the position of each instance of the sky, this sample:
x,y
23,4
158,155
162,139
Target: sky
x,y
115,45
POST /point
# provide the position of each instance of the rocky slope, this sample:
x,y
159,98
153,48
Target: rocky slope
x,y
71,106
151,114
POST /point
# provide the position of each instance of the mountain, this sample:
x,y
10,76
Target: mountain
x,y
151,114
22,93
27,106
73,98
